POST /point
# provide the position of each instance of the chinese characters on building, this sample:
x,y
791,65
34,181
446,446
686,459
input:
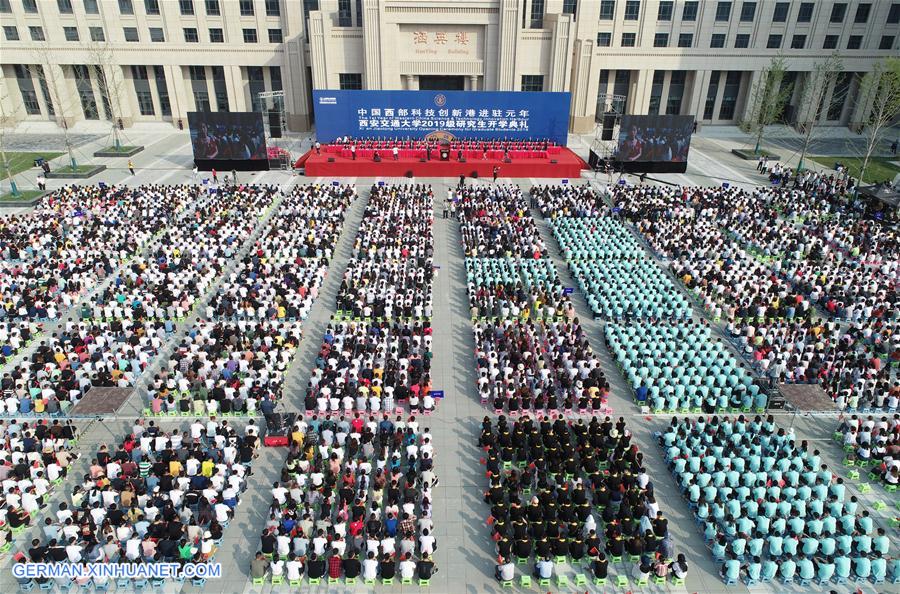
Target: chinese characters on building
x,y
439,38
390,119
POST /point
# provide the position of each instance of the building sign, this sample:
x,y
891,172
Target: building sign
x,y
451,42
466,114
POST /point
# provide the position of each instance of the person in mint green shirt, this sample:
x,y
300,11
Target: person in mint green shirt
x,y
879,567
768,571
754,569
731,569
805,568
788,568
842,566
863,567
825,568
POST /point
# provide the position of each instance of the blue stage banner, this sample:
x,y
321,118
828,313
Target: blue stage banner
x,y
457,114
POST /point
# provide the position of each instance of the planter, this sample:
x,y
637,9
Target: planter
x,y
749,155
29,198
83,172
124,151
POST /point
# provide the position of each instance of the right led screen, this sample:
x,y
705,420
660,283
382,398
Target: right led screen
x,y
655,138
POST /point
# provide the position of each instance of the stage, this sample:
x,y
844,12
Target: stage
x,y
568,165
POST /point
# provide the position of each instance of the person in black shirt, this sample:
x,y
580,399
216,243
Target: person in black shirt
x,y
315,569
352,567
425,568
600,566
387,567
37,552
268,543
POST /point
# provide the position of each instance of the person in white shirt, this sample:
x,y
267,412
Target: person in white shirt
x,y
427,543
407,568
370,567
294,569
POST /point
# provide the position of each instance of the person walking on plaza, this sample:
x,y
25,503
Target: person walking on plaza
x,y
215,176
41,182
894,148
462,180
496,173
234,176
131,166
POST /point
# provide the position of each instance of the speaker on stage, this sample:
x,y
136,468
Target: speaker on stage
x,y
275,124
331,159
377,158
409,174
462,159
609,122
507,160
474,175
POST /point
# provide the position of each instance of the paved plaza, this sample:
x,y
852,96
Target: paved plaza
x,y
465,553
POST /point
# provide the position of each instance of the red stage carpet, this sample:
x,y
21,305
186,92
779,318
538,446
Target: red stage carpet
x,y
568,165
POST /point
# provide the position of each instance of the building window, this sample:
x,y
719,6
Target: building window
x,y
30,6
830,42
659,78
212,8
86,92
97,34
345,16
257,85
273,8
142,90
661,40
26,88
607,9
37,33
676,92
157,35
197,72
5,6
191,35
126,7
711,93
632,10
685,40
246,7
774,42
533,82
151,7
886,43
219,87
71,33
162,90
310,5
804,15
723,12
622,84
570,7
537,14
91,7
216,36
275,78
10,33
838,12
854,42
748,12
894,14
665,10
186,7
628,39
742,40
65,6
250,36
201,101
730,95
717,40
798,41
350,81
359,13
275,36
862,13
604,39
690,11
781,12
131,34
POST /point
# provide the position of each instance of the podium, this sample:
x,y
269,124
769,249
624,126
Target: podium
x,y
445,154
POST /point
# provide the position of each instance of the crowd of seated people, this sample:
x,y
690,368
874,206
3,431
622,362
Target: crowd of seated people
x,y
574,492
568,201
372,366
178,271
74,238
81,355
530,349
281,275
769,508
14,336
764,259
517,288
354,502
34,458
874,443
391,272
158,496
230,368
680,367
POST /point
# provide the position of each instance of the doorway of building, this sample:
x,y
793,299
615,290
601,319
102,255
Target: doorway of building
x,y
442,83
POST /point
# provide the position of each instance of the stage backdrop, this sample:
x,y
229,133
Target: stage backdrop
x,y
462,114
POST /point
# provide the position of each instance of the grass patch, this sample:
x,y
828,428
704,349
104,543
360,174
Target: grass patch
x,y
879,169
78,169
24,195
748,154
19,162
122,149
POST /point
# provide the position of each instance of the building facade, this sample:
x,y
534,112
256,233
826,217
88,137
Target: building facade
x,y
152,60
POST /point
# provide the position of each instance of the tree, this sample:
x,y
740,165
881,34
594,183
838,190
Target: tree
x,y
879,100
6,118
768,98
812,99
104,65
49,80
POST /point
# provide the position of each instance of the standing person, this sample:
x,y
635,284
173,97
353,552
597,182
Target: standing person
x,y
496,173
195,174
462,180
396,152
215,176
318,147
131,166
894,148
41,182
234,176
353,152
46,167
